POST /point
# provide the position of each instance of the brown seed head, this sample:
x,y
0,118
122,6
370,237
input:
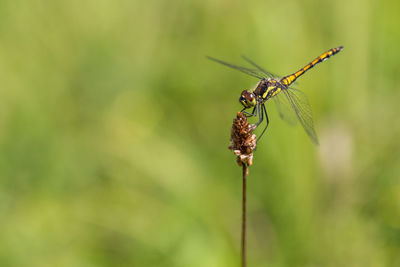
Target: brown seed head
x,y
243,142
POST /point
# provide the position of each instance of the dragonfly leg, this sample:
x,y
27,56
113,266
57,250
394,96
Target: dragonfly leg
x,y
264,110
260,114
252,114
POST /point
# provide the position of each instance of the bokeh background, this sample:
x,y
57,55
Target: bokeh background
x,y
114,130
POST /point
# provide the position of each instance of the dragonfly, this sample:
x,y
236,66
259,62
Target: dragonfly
x,y
292,104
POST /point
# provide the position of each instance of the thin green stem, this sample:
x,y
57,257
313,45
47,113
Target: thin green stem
x,y
245,171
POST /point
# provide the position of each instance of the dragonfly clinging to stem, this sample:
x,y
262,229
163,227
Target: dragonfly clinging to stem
x,y
281,91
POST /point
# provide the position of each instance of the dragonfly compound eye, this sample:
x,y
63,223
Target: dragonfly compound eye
x,y
247,99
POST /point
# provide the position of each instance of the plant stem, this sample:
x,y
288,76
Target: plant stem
x,y
245,171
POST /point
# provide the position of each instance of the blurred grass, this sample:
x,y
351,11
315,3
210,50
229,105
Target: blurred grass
x,y
114,133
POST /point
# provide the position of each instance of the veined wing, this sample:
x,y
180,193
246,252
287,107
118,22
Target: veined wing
x,y
252,72
285,109
251,62
299,102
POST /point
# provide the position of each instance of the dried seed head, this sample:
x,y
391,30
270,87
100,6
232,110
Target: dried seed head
x,y
243,142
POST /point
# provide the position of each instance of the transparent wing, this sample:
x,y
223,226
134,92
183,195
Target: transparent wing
x,y
285,109
252,72
251,62
299,102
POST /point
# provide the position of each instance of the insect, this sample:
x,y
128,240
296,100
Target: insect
x,y
292,104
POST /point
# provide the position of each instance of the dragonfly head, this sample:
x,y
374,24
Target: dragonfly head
x,y
247,99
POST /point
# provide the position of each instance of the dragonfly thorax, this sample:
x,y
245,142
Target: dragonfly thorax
x,y
247,99
267,88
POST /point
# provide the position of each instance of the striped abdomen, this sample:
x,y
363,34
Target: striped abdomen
x,y
288,80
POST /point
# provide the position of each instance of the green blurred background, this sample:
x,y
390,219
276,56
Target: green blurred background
x,y
114,131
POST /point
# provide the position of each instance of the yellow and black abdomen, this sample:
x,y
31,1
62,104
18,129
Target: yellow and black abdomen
x,y
288,80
